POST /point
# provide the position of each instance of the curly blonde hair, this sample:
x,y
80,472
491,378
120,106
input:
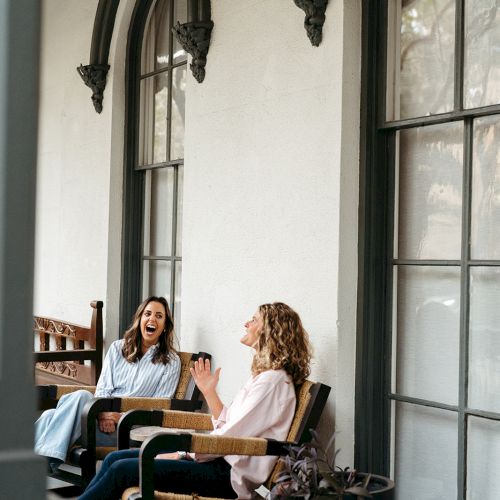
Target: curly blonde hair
x,y
283,343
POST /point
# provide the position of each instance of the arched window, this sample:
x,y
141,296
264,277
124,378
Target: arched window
x,y
156,80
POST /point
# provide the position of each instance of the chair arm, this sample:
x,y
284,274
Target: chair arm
x,y
199,443
48,395
171,419
141,403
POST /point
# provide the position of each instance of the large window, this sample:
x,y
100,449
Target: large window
x,y
436,147
156,88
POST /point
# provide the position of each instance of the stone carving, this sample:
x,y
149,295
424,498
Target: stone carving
x,y
315,18
195,39
94,76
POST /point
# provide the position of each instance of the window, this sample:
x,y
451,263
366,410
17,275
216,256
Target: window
x,y
154,178
432,265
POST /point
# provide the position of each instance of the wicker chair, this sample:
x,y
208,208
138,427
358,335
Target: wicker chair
x,y
186,398
311,399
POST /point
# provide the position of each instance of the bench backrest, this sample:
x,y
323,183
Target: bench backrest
x,y
56,363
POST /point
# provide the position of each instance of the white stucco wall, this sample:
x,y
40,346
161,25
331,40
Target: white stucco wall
x,y
80,164
271,166
270,194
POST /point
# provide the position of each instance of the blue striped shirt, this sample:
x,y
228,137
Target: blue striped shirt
x,y
142,378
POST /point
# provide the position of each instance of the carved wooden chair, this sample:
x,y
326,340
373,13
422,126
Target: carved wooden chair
x,y
311,399
55,364
85,455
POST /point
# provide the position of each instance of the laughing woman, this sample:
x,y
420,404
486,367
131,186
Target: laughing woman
x,y
144,363
264,407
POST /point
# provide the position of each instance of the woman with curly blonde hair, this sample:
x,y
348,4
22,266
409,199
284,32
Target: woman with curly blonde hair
x,y
264,407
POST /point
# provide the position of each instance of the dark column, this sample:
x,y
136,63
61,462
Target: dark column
x,y
21,471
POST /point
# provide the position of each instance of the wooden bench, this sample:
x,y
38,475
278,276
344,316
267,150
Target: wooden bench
x,y
55,363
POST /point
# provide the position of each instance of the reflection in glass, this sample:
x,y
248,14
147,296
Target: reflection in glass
x,y
162,195
427,332
153,120
180,199
425,453
482,53
483,453
156,42
484,339
178,112
485,219
430,192
423,70
180,15
156,279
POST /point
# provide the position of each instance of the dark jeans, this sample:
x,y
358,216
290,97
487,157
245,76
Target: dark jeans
x,y
120,470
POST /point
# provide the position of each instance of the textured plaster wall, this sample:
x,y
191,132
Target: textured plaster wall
x,y
271,168
79,184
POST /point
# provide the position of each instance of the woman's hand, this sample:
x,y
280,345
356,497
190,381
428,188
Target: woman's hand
x,y
203,376
107,421
207,382
169,456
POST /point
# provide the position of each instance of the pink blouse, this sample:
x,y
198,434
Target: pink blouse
x,y
264,407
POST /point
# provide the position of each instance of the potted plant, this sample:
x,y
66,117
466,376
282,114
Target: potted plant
x,y
309,472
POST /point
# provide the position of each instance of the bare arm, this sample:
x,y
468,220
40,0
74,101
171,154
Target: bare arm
x,y
207,383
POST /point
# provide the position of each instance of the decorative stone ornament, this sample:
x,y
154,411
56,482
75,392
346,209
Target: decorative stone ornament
x,y
195,39
315,18
94,76
194,35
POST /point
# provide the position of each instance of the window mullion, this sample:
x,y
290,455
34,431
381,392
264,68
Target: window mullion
x,y
459,55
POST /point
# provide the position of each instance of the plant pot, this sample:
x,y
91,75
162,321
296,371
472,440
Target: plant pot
x,y
379,486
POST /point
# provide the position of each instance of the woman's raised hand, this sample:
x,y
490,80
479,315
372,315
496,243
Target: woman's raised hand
x,y
203,376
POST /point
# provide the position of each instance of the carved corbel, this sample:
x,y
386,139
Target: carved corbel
x,y
195,39
315,18
94,76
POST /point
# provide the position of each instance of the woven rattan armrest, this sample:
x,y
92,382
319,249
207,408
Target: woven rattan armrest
x,y
171,419
55,392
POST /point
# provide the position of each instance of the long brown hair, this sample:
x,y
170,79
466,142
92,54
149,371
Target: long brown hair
x,y
283,343
132,345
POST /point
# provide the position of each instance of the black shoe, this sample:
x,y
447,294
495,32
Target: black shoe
x,y
53,464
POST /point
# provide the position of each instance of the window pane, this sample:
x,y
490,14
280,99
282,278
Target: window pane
x,y
427,332
178,282
153,120
484,339
485,235
423,68
156,42
483,452
161,211
430,192
180,15
178,112
156,278
425,453
482,53
180,198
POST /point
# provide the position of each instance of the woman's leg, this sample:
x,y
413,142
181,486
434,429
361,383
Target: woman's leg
x,y
109,461
56,430
212,479
179,476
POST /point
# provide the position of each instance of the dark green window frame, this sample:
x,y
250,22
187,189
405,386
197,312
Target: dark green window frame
x,y
376,230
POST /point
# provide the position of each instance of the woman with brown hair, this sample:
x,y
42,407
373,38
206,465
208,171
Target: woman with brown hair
x,y
143,363
264,407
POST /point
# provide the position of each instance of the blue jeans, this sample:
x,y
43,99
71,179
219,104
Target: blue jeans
x,y
58,428
120,470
